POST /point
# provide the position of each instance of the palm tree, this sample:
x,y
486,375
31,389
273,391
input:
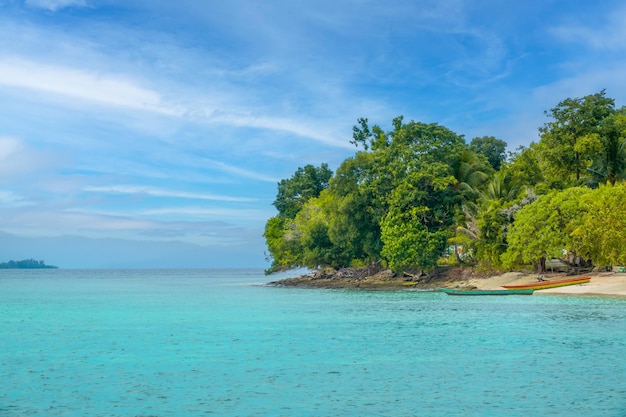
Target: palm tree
x,y
500,189
470,172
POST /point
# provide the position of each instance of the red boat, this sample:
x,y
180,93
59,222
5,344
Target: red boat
x,y
549,284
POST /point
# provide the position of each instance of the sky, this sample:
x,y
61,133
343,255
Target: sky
x,y
153,133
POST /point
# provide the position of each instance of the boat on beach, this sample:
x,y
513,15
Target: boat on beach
x,y
549,284
451,291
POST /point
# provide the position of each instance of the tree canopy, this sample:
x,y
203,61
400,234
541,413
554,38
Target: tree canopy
x,y
493,149
412,195
583,132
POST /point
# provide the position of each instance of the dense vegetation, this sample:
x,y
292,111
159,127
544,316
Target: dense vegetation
x,y
26,264
419,194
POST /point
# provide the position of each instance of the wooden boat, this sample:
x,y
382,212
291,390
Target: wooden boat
x,y
450,291
549,284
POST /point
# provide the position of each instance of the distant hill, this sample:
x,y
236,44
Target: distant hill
x,y
26,264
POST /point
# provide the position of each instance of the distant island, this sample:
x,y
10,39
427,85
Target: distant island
x,y
26,264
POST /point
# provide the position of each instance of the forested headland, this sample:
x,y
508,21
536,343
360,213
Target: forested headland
x,y
420,196
26,264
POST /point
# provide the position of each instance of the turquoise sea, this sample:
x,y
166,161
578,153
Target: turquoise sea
x,y
218,343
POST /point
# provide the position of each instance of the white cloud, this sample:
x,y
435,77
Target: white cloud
x,y
159,192
296,127
241,172
203,212
119,92
611,35
54,5
80,84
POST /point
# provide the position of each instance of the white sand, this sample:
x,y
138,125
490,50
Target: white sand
x,y
601,283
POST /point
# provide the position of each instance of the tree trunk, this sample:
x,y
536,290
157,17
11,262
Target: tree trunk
x,y
540,265
457,254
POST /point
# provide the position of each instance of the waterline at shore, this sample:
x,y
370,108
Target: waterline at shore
x,y
601,283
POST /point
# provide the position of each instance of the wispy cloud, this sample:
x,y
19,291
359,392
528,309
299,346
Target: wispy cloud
x,y
159,192
54,5
210,212
610,35
294,126
240,172
10,199
80,84
164,119
50,221
124,93
37,221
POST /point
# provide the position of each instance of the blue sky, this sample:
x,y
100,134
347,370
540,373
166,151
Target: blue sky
x,y
153,132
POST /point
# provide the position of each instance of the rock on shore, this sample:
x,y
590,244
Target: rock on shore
x,y
362,278
602,283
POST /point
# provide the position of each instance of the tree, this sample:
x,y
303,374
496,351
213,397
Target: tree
x,y
356,220
414,232
411,188
523,167
305,183
283,241
471,171
501,199
601,233
493,149
570,141
408,243
359,189
311,225
542,230
610,145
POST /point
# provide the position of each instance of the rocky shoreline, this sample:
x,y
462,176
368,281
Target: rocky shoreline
x,y
385,280
602,283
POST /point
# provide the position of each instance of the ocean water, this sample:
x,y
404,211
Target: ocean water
x,y
217,343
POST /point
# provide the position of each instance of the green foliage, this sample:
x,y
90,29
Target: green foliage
x,y
524,167
306,183
569,142
414,236
356,205
311,225
502,198
410,195
408,243
282,242
610,148
412,167
601,233
493,149
542,230
471,171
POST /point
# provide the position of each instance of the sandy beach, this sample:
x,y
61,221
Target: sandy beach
x,y
601,283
